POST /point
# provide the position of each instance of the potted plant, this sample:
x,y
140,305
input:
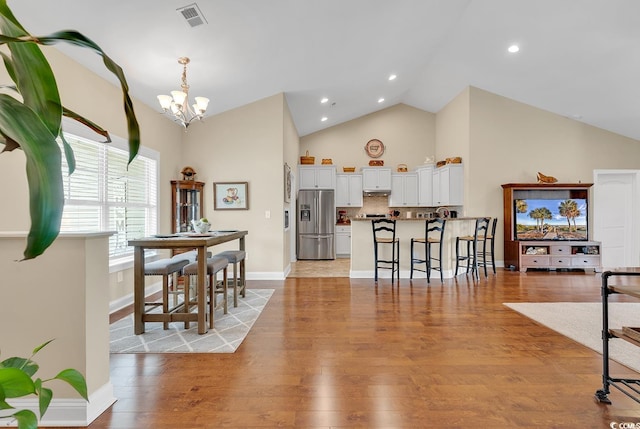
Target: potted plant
x,y
32,121
17,380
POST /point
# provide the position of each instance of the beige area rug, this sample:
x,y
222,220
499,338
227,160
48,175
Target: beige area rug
x,y
229,332
582,322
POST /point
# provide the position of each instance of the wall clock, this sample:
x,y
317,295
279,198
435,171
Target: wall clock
x,y
374,148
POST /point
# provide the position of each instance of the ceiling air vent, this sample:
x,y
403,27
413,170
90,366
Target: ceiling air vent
x,y
192,14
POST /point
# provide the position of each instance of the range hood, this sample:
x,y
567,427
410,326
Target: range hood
x,y
376,192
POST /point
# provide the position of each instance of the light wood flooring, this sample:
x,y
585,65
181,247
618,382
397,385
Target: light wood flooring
x,y
350,353
334,268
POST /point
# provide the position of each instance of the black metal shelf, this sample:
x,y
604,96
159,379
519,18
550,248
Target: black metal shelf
x,y
628,386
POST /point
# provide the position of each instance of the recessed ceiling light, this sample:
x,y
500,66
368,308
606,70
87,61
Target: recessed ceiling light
x,y
380,100
324,100
392,77
324,118
513,49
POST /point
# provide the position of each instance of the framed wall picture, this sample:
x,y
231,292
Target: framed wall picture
x,y
231,195
287,183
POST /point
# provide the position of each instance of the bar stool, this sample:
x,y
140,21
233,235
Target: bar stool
x,y
384,232
436,228
167,268
473,243
236,257
215,264
489,247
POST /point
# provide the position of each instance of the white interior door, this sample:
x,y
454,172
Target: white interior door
x,y
615,197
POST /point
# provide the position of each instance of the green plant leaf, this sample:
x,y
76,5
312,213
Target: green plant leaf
x,y
26,365
44,398
15,383
40,347
31,73
44,174
4,405
79,39
87,123
26,419
75,380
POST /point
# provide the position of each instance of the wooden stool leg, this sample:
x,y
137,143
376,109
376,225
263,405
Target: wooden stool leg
x,y
243,279
225,286
235,284
165,298
427,255
187,287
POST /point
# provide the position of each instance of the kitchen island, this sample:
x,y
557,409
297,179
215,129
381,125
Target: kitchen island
x,y
362,265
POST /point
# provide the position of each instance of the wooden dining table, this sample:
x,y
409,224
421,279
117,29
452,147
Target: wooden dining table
x,y
199,242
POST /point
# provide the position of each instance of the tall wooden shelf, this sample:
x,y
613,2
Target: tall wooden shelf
x,y
187,201
510,192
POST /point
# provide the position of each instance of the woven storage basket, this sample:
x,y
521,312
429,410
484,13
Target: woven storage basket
x,y
348,169
307,159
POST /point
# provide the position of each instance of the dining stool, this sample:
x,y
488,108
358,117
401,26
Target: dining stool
x,y
168,269
215,264
384,233
433,235
474,243
237,257
176,288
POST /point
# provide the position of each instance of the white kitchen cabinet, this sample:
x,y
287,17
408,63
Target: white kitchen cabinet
x,y
349,190
448,185
376,179
317,177
343,240
404,190
425,186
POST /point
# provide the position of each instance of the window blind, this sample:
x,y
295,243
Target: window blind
x,y
104,195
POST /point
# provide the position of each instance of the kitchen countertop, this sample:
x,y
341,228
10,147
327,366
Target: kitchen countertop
x,y
412,218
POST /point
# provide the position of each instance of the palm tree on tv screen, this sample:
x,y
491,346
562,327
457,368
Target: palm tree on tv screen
x,y
570,210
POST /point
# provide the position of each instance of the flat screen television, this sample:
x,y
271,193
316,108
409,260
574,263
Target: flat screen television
x,y
551,219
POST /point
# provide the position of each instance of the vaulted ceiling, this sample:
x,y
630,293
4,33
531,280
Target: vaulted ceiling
x,y
577,58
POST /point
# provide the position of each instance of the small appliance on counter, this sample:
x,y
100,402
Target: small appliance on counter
x,y
343,218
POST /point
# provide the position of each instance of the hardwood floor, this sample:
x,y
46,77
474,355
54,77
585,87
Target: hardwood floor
x,y
341,353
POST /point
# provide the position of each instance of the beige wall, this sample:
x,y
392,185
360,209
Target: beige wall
x,y
452,129
245,145
407,133
290,156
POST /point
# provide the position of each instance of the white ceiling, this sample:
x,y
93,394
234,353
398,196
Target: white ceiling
x,y
578,58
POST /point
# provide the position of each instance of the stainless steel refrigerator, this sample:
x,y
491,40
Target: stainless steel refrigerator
x,y
316,221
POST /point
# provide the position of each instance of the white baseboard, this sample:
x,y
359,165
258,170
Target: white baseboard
x,y
267,275
68,412
123,301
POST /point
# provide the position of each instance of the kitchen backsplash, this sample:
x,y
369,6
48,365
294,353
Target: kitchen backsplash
x,y
380,205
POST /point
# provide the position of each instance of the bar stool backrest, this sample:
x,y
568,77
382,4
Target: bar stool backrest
x,y
434,229
493,228
384,230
